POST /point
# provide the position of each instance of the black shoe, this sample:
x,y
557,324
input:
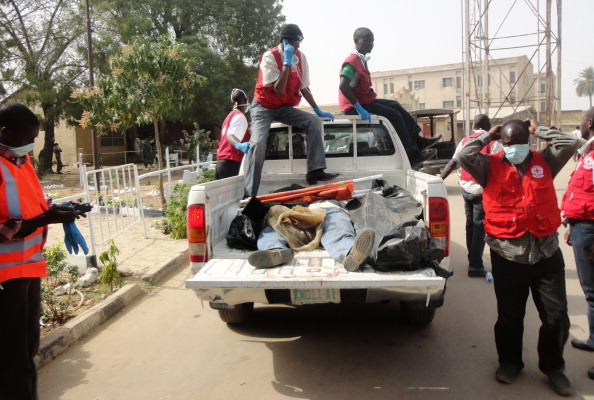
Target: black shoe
x,y
313,177
270,258
559,382
507,373
422,156
477,272
591,373
580,344
427,143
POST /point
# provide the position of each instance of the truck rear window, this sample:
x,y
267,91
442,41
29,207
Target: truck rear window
x,y
372,140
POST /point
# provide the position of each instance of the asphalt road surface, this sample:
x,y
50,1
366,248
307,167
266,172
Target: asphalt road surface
x,y
169,346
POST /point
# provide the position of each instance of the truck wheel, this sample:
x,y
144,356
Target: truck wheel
x,y
238,314
417,316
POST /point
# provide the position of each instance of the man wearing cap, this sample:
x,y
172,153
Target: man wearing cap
x,y
283,78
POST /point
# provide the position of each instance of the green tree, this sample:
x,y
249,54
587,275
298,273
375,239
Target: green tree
x,y
584,84
40,58
196,138
150,82
225,36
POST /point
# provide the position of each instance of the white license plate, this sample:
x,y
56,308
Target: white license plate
x,y
314,296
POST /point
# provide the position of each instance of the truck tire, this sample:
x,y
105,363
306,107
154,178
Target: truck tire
x,y
239,314
417,316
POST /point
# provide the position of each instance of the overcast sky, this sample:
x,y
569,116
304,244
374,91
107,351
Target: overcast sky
x,y
419,33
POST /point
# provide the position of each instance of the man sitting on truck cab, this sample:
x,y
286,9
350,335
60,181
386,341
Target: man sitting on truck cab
x,y
282,80
337,237
356,96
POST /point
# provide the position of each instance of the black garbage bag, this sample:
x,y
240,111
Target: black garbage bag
x,y
409,248
243,233
402,242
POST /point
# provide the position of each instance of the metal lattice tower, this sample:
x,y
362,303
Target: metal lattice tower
x,y
537,36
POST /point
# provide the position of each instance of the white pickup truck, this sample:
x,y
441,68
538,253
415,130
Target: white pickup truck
x,y
223,276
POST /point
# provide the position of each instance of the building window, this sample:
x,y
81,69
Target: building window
x,y
385,88
543,106
419,85
112,139
410,83
479,80
446,82
458,82
448,104
421,106
391,87
512,75
512,98
543,85
458,101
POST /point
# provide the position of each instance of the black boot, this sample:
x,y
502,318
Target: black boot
x,y
314,176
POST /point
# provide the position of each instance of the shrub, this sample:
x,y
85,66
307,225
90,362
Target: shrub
x,y
54,306
109,275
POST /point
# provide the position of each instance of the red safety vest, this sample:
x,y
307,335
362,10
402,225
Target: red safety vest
x,y
21,196
578,200
267,96
513,207
226,150
465,176
363,90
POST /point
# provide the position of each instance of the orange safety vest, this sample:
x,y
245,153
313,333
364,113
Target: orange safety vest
x,y
513,207
21,196
267,96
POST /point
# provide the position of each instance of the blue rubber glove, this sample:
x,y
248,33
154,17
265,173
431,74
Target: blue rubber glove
x,y
73,238
323,114
245,147
363,113
287,53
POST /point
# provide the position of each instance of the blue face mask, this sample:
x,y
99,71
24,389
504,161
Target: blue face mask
x,y
517,153
20,151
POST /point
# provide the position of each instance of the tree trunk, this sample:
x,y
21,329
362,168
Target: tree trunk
x,y
159,158
46,154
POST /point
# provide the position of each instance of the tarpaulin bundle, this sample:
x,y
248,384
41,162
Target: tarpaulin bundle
x,y
342,190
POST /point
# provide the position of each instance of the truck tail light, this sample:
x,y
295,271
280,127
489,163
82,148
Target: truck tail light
x,y
197,233
439,222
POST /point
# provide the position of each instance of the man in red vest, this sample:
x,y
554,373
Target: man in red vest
x,y
282,80
472,193
235,137
578,210
356,96
521,221
24,216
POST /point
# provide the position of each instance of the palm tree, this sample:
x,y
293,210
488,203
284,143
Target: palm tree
x,y
585,83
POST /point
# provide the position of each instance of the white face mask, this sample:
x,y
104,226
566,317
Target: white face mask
x,y
21,150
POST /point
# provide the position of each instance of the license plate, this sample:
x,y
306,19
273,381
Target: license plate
x,y
315,296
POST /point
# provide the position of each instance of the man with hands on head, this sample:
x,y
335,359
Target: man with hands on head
x,y
24,216
356,96
521,221
283,78
578,210
235,136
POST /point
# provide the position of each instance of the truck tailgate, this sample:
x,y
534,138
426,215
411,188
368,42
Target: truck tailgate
x,y
307,273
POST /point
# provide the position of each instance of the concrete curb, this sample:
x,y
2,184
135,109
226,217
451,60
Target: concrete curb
x,y
59,340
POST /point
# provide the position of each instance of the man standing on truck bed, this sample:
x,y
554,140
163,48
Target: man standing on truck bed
x,y
521,221
472,193
282,80
356,96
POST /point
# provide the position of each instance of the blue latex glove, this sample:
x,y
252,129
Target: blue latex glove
x,y
323,114
363,113
245,147
73,237
287,53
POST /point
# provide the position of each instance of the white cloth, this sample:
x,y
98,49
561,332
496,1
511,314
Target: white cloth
x,y
471,186
270,71
578,134
238,126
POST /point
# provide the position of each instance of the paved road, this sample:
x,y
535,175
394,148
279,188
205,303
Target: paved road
x,y
167,346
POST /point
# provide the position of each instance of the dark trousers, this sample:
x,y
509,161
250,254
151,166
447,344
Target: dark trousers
x,y
582,239
546,280
59,164
19,338
227,168
475,230
405,125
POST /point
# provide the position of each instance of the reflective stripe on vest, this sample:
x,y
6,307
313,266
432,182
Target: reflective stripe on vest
x,y
11,192
21,245
513,206
37,257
